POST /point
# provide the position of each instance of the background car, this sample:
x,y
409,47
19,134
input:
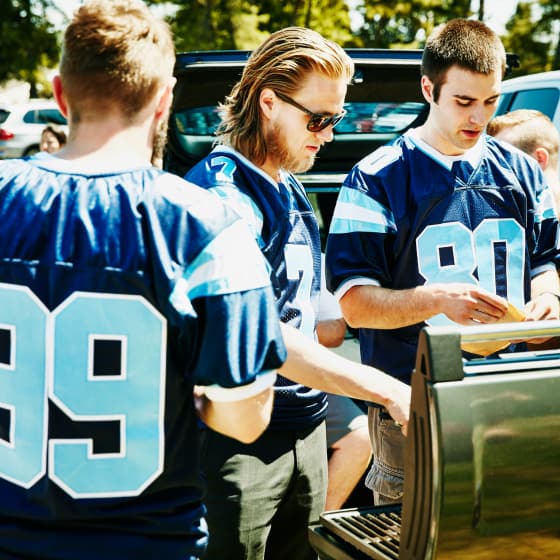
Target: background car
x,y
21,126
540,91
384,80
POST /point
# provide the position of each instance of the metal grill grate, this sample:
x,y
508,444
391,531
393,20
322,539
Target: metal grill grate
x,y
374,531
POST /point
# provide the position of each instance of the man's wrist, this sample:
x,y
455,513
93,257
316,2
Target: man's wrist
x,y
551,293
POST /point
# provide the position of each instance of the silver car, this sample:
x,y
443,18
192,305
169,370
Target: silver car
x,y
21,126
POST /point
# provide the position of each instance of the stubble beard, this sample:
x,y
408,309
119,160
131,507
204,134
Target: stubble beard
x,y
279,151
159,143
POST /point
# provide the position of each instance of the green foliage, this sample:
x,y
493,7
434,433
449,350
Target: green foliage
x,y
242,24
406,24
549,23
28,41
532,33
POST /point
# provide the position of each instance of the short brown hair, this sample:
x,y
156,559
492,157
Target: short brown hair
x,y
115,51
467,43
528,129
281,63
57,131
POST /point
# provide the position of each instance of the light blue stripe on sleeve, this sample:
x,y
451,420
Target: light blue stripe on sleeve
x,y
357,212
245,207
230,263
545,208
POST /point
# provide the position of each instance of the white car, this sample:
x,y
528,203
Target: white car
x,y
21,126
539,91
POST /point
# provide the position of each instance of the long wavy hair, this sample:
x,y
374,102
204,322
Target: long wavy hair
x,y
281,63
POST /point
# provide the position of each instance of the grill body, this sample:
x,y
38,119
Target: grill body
x,y
482,464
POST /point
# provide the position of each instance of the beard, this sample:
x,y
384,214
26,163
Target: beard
x,y
279,152
159,143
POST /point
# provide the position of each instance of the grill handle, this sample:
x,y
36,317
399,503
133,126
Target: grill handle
x,y
442,345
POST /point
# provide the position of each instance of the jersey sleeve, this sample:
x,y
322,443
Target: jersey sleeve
x,y
225,294
363,227
545,253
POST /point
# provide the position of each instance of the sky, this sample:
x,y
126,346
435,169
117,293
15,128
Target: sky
x,y
498,12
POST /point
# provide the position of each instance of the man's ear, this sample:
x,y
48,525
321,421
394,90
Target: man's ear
x,y
542,156
58,92
268,102
165,99
427,87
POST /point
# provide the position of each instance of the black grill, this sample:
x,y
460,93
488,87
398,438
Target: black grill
x,y
472,489
374,531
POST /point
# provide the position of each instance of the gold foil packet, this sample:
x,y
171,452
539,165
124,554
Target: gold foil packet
x,y
487,347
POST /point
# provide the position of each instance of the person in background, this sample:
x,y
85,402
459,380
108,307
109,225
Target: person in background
x,y
53,138
111,279
443,226
534,133
262,497
348,443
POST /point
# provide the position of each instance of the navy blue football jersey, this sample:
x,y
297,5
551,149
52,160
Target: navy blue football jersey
x,y
118,293
408,216
284,225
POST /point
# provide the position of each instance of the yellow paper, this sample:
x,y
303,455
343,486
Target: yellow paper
x,y
487,347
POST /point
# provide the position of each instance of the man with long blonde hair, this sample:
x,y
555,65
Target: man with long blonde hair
x,y
262,496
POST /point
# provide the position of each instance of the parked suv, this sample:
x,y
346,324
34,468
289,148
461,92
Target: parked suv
x,y
21,126
383,100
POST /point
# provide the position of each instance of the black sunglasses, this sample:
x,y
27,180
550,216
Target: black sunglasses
x,y
317,121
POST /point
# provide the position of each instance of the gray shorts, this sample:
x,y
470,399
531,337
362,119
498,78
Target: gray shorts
x,y
386,475
343,416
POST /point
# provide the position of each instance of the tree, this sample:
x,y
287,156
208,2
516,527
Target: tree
x,y
406,24
28,42
331,18
243,24
531,34
549,25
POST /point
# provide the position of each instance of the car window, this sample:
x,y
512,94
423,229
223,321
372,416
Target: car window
x,y
44,116
542,99
361,117
198,121
3,115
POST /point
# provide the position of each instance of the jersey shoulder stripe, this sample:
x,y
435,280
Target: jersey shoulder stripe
x,y
221,268
356,212
379,159
244,205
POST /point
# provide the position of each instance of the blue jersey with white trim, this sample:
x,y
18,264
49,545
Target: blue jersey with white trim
x,y
406,217
111,285
285,227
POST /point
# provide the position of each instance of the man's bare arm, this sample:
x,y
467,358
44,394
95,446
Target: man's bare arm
x,y
315,366
375,307
244,420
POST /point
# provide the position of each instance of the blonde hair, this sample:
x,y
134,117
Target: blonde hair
x,y
528,129
467,43
115,51
281,62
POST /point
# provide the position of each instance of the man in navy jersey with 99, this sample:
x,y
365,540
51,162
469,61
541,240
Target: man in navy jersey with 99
x,y
261,497
445,225
130,300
